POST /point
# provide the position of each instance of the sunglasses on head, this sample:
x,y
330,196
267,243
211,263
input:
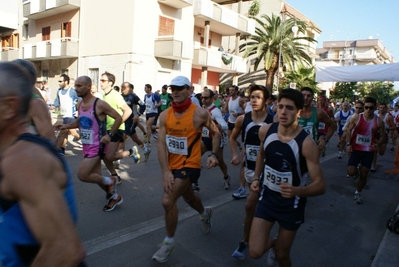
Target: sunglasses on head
x,y
369,107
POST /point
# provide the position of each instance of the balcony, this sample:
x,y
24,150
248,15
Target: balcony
x,y
204,57
222,20
169,48
177,3
37,9
53,49
9,53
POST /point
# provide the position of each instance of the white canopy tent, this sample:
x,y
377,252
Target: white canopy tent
x,y
383,72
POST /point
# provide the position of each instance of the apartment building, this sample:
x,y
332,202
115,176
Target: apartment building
x,y
139,41
9,29
351,53
268,7
355,52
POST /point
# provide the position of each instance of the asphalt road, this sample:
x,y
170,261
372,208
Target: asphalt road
x,y
336,231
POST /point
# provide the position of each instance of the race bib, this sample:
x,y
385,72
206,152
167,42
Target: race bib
x,y
342,122
273,178
205,132
163,101
363,140
86,136
232,112
309,130
251,152
63,111
322,126
148,106
177,145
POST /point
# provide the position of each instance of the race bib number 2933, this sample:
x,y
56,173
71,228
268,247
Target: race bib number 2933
x,y
274,178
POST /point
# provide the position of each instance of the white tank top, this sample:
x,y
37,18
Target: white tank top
x,y
234,107
66,104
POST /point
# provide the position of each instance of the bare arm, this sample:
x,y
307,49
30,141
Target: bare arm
x,y
40,117
260,159
332,126
208,123
317,187
232,140
39,191
383,136
351,126
127,111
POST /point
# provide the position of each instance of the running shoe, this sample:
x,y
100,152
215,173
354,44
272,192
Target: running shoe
x,y
147,151
227,182
119,180
339,154
240,252
271,257
135,154
373,169
240,194
162,255
196,187
155,135
357,198
206,220
111,188
117,163
112,203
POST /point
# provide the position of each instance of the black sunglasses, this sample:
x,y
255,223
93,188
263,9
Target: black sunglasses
x,y
369,107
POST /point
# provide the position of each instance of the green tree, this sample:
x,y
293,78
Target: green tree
x,y
302,76
254,9
344,91
383,92
265,45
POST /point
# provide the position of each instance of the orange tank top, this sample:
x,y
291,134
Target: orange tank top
x,y
183,140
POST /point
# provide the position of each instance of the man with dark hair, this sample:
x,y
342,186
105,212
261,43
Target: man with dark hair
x,y
115,149
37,204
287,156
166,98
138,107
310,117
362,142
66,100
248,125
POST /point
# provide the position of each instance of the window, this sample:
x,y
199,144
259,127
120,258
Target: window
x,y
66,29
46,33
166,27
94,75
25,32
202,42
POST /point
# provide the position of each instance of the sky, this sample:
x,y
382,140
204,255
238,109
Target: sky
x,y
341,20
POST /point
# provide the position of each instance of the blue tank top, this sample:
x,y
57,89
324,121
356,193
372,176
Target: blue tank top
x,y
18,247
250,138
283,163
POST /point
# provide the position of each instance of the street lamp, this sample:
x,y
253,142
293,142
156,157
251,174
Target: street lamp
x,y
294,30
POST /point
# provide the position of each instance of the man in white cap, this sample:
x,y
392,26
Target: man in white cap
x,y
179,154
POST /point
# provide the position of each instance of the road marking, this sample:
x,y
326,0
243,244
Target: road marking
x,y
115,238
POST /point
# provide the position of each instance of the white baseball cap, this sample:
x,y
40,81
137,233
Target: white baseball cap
x,y
180,81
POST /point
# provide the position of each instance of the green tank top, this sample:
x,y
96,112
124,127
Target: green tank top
x,y
311,124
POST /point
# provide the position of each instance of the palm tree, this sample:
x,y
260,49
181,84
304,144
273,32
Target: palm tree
x,y
302,76
265,45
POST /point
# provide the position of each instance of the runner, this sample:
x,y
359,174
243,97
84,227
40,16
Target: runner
x,y
341,117
37,205
286,156
93,113
179,154
248,125
362,142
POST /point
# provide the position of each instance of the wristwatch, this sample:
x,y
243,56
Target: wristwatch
x,y
110,134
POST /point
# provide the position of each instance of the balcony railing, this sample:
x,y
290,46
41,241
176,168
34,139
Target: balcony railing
x,y
9,53
177,3
170,48
205,57
222,20
37,9
53,49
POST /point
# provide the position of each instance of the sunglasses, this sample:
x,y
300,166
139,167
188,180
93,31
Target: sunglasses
x,y
60,81
103,81
177,88
369,107
205,97
359,108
